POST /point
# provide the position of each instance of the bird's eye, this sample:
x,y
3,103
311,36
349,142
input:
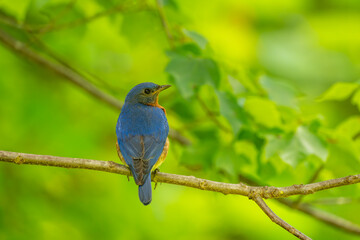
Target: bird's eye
x,y
147,91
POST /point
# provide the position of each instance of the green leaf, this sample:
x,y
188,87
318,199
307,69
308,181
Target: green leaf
x,y
294,148
198,156
280,92
108,3
271,168
231,110
224,161
339,91
356,99
182,110
247,149
33,13
170,3
14,11
263,111
275,144
197,38
349,128
251,136
240,158
190,72
236,85
342,161
188,49
246,160
293,153
311,143
48,14
136,31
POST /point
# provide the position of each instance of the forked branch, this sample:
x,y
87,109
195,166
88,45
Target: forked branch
x,y
189,181
256,193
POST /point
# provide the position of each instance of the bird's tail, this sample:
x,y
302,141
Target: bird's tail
x,y
145,191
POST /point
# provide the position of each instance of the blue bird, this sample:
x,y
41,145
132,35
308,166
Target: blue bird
x,y
142,131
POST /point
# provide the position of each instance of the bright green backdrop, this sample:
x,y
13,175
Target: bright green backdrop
x,y
267,90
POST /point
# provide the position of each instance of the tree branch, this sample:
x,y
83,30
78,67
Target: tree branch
x,y
310,210
58,16
20,48
256,193
78,22
276,219
312,179
323,216
189,181
335,201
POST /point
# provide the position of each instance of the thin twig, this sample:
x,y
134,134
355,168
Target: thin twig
x,y
276,219
9,21
165,24
170,39
189,181
318,214
20,48
78,22
62,13
86,75
334,201
323,216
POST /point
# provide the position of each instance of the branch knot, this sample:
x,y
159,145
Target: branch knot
x,y
19,160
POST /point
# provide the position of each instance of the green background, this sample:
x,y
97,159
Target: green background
x,y
266,90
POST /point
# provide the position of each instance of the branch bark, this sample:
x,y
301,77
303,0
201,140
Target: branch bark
x,y
323,216
78,22
312,179
189,181
20,48
310,210
276,219
256,193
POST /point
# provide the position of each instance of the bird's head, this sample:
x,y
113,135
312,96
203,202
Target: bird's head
x,y
146,93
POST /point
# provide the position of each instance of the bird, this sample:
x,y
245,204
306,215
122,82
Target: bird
x,y
142,135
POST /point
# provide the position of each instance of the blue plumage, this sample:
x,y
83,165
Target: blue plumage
x,y
142,130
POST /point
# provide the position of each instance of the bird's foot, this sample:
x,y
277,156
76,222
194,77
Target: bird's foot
x,y
154,177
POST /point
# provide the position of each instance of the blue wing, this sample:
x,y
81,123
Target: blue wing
x,y
141,143
140,153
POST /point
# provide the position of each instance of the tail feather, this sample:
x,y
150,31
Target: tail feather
x,y
145,191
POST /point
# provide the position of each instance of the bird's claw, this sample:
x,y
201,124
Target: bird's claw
x,y
157,170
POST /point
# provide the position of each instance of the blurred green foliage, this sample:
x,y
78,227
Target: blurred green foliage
x,y
268,90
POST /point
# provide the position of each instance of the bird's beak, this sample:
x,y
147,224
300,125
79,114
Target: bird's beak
x,y
162,88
